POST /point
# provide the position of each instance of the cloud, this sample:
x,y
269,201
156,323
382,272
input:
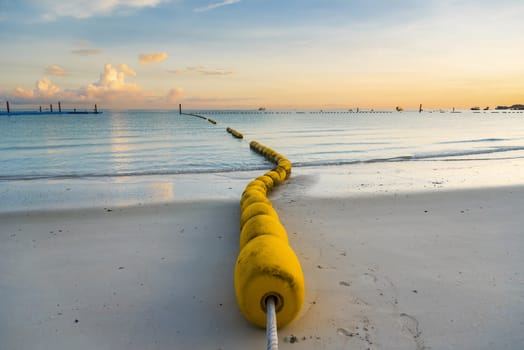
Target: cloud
x,y
55,70
88,8
44,88
23,93
126,70
201,70
146,58
86,52
111,89
112,86
215,5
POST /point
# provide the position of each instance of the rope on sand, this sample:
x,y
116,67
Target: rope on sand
x,y
271,325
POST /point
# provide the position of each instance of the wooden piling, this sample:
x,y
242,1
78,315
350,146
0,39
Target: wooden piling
x,y
51,108
96,108
180,108
7,104
59,107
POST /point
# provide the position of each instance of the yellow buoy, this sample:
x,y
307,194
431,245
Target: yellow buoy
x,y
267,180
258,208
253,198
286,164
252,192
281,172
258,183
277,180
249,192
268,267
262,225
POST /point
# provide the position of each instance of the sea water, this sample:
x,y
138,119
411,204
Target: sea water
x,y
124,146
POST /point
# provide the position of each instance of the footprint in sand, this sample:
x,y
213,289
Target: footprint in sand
x,y
345,332
369,277
410,325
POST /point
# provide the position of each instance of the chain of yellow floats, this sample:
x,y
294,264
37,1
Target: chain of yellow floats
x,y
269,283
267,270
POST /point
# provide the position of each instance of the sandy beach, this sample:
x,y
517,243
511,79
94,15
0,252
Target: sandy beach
x,y
376,146
439,269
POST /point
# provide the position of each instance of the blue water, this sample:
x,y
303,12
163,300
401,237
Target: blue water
x,y
137,143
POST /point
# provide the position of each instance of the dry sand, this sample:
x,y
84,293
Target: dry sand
x,y
431,270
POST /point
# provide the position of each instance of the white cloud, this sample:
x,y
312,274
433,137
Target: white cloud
x,y
216,5
126,70
146,58
44,89
88,8
201,70
112,86
55,70
23,93
111,89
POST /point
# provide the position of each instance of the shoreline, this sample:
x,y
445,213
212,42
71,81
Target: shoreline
x,y
437,269
355,180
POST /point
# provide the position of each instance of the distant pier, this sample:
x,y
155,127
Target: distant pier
x,y
50,111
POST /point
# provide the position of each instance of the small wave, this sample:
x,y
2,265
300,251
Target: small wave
x,y
473,141
350,162
446,156
29,177
339,144
462,153
219,168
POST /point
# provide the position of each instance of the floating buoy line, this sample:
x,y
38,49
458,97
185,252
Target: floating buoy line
x,y
212,121
235,133
269,282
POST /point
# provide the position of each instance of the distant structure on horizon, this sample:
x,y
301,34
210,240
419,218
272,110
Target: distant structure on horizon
x,y
49,111
519,107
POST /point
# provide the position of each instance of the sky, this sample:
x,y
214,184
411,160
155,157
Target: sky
x,y
246,54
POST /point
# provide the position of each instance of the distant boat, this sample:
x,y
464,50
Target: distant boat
x,y
475,108
487,108
262,109
399,109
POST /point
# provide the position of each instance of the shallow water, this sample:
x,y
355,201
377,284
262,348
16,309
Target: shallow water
x,y
137,143
140,157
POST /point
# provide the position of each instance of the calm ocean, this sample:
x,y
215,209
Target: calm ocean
x,y
137,143
139,157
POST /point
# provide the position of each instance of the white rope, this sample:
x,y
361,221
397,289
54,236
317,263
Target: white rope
x,y
271,325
